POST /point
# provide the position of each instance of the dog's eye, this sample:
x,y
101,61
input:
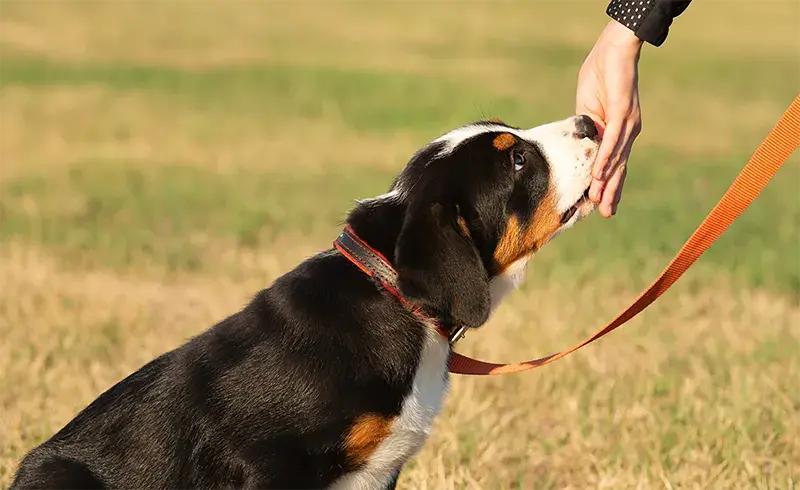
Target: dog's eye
x,y
518,159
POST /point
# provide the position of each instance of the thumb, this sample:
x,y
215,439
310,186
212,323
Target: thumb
x,y
610,139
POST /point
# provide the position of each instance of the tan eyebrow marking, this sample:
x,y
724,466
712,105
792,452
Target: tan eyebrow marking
x,y
504,141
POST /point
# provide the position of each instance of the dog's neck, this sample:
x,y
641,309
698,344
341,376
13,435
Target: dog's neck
x,y
379,221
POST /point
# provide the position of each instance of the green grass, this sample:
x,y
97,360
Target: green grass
x,y
374,101
126,212
666,196
367,101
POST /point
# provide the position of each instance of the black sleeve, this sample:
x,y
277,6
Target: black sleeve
x,y
648,19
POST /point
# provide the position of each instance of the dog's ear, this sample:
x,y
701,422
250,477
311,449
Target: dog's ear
x,y
439,267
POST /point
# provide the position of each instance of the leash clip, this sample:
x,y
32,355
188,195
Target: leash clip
x,y
457,334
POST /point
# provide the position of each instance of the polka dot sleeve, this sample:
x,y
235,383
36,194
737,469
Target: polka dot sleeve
x,y
648,19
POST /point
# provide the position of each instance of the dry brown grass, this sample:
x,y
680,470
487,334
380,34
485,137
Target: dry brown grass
x,y
388,35
69,335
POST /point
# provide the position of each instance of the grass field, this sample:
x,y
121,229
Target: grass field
x,y
162,161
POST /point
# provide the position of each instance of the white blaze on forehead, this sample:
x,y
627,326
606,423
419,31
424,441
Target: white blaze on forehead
x,y
457,136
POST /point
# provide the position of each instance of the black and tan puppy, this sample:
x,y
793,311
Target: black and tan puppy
x,y
324,380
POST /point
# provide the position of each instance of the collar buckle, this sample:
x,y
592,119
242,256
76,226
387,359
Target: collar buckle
x,y
457,334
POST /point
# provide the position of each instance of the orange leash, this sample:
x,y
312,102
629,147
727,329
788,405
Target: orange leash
x,y
765,162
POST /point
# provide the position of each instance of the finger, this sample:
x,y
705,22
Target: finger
x,y
599,183
607,206
612,192
616,196
609,143
596,190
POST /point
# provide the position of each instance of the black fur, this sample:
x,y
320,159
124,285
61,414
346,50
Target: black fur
x,y
264,398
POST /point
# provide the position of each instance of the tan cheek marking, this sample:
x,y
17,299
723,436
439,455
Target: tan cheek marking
x,y
504,141
546,221
496,120
518,242
364,436
507,247
588,153
462,225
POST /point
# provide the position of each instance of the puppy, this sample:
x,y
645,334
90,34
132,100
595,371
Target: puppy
x,y
324,380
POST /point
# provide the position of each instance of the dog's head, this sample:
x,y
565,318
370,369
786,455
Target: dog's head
x,y
479,201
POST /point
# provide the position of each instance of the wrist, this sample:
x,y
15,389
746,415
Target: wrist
x,y
621,38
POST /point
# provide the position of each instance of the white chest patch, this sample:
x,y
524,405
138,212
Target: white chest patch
x,y
502,285
411,429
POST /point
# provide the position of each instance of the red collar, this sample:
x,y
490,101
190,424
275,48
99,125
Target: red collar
x,y
375,265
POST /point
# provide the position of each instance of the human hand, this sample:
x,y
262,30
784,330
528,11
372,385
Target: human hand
x,y
608,92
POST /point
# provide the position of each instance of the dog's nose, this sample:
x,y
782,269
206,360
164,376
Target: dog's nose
x,y
585,127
